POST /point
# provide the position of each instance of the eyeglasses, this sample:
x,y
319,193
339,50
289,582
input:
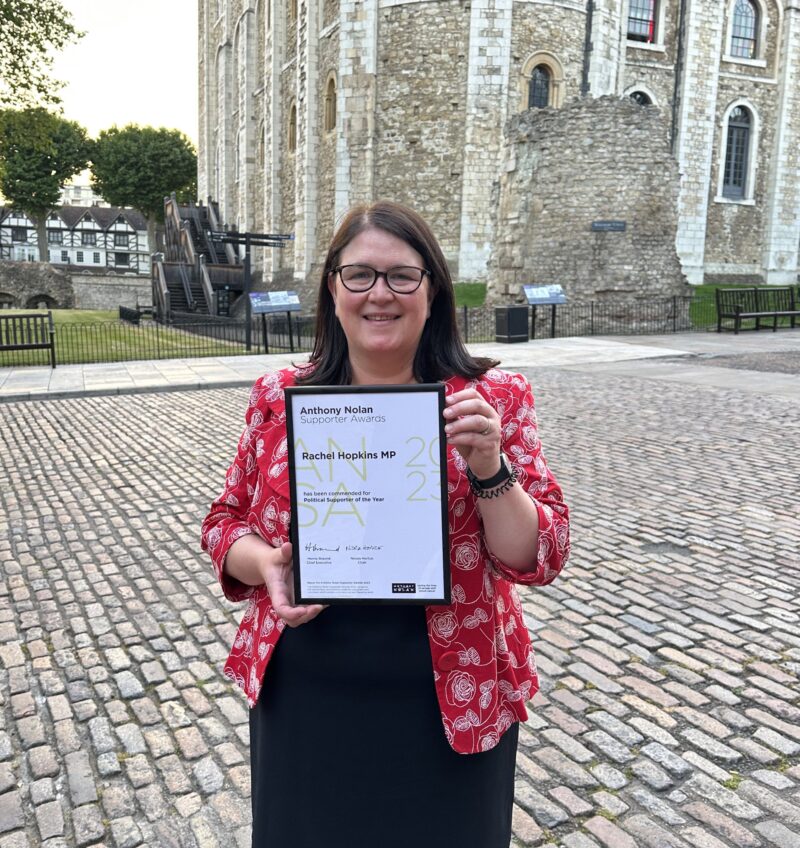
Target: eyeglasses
x,y
404,279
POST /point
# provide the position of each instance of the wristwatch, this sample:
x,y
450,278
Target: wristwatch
x,y
482,488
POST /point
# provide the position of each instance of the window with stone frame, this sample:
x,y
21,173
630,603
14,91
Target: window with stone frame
x,y
641,98
330,105
291,140
744,35
737,154
642,17
539,87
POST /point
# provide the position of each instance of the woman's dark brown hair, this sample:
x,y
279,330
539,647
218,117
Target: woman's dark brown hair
x,y
441,353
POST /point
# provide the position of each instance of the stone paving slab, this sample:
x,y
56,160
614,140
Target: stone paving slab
x,y
183,374
668,650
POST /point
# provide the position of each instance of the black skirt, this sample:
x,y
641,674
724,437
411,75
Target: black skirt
x,y
348,748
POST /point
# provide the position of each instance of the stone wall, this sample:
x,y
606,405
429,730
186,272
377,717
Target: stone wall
x,y
560,32
781,222
733,230
326,146
286,222
592,160
652,67
330,12
93,291
425,88
28,285
695,138
420,116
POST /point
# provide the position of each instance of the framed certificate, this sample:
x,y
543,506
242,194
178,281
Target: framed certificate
x,y
368,476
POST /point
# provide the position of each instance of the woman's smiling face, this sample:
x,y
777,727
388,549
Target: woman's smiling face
x,y
380,322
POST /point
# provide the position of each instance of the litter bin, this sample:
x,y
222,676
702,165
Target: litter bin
x,y
223,303
511,324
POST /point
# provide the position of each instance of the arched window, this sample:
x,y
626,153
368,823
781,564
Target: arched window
x,y
737,154
744,39
641,98
330,104
642,17
291,141
539,87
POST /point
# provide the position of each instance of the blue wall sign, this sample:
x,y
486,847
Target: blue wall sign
x,y
609,226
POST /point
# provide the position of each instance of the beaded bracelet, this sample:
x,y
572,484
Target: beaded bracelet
x,y
480,492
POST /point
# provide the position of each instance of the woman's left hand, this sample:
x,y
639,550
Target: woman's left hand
x,y
473,428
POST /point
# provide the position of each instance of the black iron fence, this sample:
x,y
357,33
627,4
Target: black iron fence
x,y
118,341
598,318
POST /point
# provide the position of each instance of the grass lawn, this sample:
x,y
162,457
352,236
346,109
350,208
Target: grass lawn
x,y
98,336
707,291
470,294
70,316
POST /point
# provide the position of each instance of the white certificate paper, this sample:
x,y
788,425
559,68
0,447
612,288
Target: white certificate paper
x,y
367,468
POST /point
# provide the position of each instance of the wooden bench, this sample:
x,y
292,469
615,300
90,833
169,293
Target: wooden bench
x,y
757,302
28,331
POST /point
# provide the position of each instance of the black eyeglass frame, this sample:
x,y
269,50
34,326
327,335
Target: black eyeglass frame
x,y
384,274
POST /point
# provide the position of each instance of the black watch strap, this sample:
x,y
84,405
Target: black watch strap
x,y
505,473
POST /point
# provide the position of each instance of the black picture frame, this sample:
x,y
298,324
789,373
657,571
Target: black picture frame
x,y
308,394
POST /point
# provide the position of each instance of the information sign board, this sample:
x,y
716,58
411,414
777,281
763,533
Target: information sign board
x,y
544,295
275,301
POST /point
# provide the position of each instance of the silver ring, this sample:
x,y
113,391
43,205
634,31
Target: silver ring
x,y
485,432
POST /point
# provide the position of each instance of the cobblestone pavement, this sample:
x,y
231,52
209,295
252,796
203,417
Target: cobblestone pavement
x,y
669,650
784,362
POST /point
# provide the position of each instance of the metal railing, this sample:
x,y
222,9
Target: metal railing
x,y
208,290
190,336
161,295
598,318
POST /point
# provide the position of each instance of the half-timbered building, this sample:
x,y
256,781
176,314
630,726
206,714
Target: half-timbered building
x,y
94,238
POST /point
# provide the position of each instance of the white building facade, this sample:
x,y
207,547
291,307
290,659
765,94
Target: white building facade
x,y
84,238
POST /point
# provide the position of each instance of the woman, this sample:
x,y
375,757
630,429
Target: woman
x,y
359,731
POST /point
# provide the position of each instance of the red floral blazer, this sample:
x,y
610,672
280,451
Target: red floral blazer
x,y
482,661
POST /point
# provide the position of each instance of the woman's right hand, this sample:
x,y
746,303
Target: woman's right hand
x,y
276,569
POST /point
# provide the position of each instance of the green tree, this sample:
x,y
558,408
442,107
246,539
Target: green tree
x,y
39,153
140,166
29,30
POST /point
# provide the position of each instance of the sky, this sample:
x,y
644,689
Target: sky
x,y
137,63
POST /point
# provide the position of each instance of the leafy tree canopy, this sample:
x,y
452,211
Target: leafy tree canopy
x,y
39,153
140,166
29,30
